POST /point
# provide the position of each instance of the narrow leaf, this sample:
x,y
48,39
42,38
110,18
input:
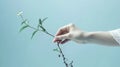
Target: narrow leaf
x,y
24,21
20,13
44,19
57,50
42,28
34,33
38,26
40,21
24,27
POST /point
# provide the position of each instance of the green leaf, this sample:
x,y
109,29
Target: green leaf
x,y
24,27
56,49
44,19
38,26
34,33
20,13
24,21
43,29
40,21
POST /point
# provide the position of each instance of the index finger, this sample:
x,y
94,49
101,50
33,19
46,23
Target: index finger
x,y
62,31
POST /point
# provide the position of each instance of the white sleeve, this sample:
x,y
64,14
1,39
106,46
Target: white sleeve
x,y
116,35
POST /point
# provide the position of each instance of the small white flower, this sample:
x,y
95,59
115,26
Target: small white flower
x,y
20,13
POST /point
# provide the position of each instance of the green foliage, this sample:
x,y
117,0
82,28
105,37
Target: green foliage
x,y
25,26
40,27
44,19
40,21
43,29
20,13
34,33
56,49
24,21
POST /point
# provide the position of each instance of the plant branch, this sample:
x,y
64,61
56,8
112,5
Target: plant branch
x,y
64,59
46,32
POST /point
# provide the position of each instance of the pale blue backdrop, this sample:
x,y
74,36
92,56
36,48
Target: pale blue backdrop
x,y
18,50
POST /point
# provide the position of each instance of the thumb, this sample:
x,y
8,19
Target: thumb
x,y
61,37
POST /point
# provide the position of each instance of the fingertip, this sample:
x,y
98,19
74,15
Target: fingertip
x,y
66,40
55,39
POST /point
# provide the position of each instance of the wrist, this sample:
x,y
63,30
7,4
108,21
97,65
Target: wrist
x,y
83,37
87,36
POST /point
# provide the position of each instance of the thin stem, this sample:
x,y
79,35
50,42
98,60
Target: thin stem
x,y
64,59
71,64
31,26
46,32
49,34
22,17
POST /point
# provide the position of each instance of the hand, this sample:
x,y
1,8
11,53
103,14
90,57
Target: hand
x,y
67,33
71,32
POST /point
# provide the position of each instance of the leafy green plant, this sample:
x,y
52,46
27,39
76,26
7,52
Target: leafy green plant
x,y
25,24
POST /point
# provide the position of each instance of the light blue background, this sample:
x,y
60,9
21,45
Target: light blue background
x,y
18,50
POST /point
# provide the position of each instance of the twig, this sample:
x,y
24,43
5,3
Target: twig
x,y
46,32
64,59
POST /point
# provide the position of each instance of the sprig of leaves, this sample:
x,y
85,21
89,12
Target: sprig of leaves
x,y
25,24
40,27
41,21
